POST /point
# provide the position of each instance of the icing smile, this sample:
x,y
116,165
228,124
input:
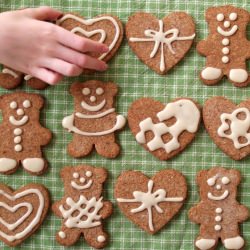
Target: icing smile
x,y
20,122
218,198
93,108
81,187
231,32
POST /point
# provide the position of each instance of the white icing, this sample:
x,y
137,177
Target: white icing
x,y
13,105
149,201
92,98
33,223
211,181
27,104
18,148
86,91
92,21
82,179
205,244
93,108
211,73
237,126
62,235
225,50
92,218
225,180
81,187
76,175
18,131
234,243
20,122
225,59
101,238
20,112
83,116
225,41
187,118
34,165
218,187
28,77
10,72
17,139
7,164
218,210
231,32
217,227
99,91
160,38
218,218
233,16
220,17
238,75
227,24
68,123
218,198
88,173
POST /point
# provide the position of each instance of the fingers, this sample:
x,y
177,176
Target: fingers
x,y
44,13
79,59
79,43
47,75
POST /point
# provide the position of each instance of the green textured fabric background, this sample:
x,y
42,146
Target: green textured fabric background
x,y
135,80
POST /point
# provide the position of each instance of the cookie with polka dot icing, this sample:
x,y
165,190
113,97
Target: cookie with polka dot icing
x,y
218,212
226,48
228,125
82,207
21,134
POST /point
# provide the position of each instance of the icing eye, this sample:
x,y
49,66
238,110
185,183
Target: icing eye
x,y
211,181
220,17
27,104
86,91
99,91
76,175
13,105
225,180
88,173
233,16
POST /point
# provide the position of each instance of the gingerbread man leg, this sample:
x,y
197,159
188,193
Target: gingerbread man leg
x,y
80,147
239,77
211,75
233,240
107,147
96,237
8,165
10,79
205,243
35,165
68,236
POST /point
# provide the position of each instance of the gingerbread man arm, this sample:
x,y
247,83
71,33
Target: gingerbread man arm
x,y
242,213
203,47
55,208
45,135
106,210
195,214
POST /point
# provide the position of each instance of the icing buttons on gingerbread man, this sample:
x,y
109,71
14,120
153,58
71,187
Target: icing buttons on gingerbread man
x,y
218,212
226,48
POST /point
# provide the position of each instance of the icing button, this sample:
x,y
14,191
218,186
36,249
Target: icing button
x,y
217,227
218,210
18,148
225,41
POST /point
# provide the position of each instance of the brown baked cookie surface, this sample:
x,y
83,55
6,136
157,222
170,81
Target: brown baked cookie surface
x,y
151,203
21,134
21,212
94,121
160,44
82,208
218,211
228,125
164,130
106,29
226,48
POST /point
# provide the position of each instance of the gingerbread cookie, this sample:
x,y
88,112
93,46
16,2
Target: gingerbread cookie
x,y
164,130
226,48
160,44
106,29
21,212
82,207
94,121
218,212
151,203
228,125
10,79
21,134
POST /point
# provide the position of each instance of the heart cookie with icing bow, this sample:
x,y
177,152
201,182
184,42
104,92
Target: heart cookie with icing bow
x,y
164,130
105,29
151,203
21,212
160,44
228,125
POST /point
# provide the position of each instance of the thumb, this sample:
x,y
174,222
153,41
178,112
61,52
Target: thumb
x,y
46,14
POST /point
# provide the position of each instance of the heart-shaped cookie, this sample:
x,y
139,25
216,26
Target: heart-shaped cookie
x,y
160,44
164,130
151,203
228,125
21,212
105,29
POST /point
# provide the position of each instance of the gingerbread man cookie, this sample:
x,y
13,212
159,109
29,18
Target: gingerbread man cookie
x,y
82,207
21,134
218,212
226,48
94,121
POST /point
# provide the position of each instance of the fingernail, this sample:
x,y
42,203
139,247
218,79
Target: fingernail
x,y
105,49
104,66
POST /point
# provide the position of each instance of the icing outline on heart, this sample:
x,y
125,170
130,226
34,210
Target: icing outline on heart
x,y
89,34
35,220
